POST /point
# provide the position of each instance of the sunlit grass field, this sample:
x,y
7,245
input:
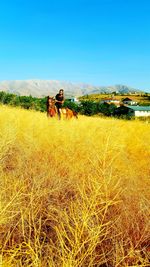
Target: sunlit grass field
x,y
73,193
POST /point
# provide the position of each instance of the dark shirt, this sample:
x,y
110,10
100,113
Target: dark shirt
x,y
59,98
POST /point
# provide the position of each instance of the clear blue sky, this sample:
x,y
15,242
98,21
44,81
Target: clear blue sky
x,y
102,42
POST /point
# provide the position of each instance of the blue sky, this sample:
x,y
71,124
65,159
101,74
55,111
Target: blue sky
x,y
102,42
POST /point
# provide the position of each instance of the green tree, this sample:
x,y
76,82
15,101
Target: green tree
x,y
2,96
106,109
88,108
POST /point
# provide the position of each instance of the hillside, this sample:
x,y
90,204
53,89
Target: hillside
x,y
40,88
141,99
73,193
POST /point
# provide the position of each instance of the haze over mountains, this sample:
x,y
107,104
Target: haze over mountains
x,y
40,88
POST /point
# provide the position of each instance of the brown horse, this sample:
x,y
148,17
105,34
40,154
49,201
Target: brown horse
x,y
51,109
69,113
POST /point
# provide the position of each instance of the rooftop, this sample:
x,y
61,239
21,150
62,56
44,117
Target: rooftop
x,y
139,108
110,99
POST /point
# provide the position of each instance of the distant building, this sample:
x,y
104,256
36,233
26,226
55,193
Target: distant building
x,y
140,111
73,99
110,101
129,101
137,111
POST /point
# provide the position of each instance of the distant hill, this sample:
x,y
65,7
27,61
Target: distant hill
x,y
40,88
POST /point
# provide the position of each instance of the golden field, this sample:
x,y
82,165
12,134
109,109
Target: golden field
x,y
73,193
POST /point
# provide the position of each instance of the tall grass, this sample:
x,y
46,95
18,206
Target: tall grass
x,y
73,193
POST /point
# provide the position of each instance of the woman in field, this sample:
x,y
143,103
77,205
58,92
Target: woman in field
x,y
59,100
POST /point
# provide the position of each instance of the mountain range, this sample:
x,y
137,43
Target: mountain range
x,y
41,88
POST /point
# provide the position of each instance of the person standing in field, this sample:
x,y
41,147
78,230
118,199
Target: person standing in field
x,y
59,100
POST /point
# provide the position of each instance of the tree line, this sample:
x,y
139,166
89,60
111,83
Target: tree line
x,y
85,107
27,102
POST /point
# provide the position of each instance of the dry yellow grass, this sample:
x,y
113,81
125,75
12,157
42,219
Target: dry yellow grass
x,y
73,193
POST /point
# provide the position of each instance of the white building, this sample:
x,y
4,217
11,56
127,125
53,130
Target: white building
x,y
73,99
129,101
110,101
139,111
